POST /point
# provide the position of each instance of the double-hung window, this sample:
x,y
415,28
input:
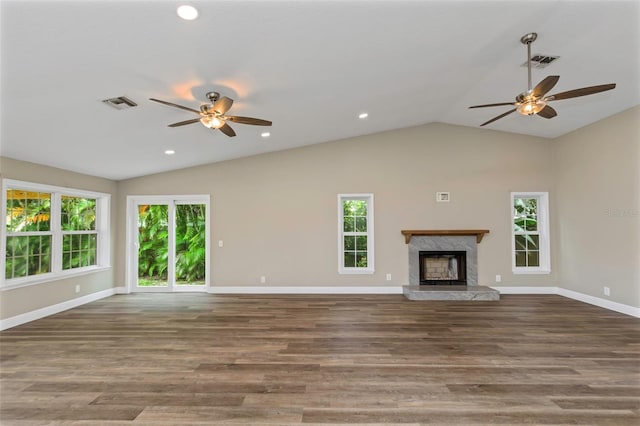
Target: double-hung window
x,y
50,232
28,233
355,231
79,233
530,233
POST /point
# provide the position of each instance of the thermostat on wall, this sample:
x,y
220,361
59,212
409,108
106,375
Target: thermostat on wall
x,y
443,197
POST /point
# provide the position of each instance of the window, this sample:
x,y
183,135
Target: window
x,y
530,227
355,230
51,232
28,244
79,234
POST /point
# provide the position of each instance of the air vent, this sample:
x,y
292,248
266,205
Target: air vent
x,y
121,102
541,61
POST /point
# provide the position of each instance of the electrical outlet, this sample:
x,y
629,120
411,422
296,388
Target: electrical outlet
x,y
263,279
606,290
498,278
77,288
388,277
220,243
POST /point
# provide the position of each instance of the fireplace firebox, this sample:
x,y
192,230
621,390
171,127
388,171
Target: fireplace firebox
x,y
443,267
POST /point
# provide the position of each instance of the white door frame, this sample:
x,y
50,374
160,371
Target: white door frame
x,y
131,250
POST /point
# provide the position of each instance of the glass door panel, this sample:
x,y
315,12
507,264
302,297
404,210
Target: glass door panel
x,y
190,233
153,245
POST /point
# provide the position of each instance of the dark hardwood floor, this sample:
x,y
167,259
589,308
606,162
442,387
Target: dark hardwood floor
x,y
178,359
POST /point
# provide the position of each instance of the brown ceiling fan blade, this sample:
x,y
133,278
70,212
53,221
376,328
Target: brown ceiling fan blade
x,y
545,85
547,112
222,105
175,105
248,120
498,117
493,105
182,123
584,91
227,130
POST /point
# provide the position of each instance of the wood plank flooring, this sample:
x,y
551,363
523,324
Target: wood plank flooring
x,y
184,359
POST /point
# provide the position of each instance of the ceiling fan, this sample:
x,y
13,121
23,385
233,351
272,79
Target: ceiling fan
x,y
212,115
534,101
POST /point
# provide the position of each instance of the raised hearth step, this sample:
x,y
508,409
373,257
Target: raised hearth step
x,y
450,292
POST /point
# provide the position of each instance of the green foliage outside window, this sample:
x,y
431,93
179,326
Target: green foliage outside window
x,y
355,239
29,213
77,215
153,252
190,243
527,238
153,244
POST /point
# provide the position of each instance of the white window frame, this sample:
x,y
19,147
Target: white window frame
x,y
103,251
543,232
370,269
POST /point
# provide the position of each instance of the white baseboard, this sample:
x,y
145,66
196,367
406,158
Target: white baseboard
x,y
525,290
603,303
306,290
54,309
592,300
121,290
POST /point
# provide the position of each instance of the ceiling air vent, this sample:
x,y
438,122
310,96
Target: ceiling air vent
x,y
541,61
121,102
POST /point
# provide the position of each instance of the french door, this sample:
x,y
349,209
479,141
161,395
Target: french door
x,y
168,243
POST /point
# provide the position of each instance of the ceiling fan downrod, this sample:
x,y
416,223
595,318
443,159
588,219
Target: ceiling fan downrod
x,y
528,39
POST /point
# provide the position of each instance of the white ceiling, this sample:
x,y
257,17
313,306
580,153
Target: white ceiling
x,y
309,66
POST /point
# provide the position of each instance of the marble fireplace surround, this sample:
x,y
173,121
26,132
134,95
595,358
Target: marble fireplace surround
x,y
466,240
440,240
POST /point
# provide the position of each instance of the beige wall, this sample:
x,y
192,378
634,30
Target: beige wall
x,y
277,213
598,208
25,299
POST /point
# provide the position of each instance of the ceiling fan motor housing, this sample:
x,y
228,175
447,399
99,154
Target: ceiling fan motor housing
x,y
213,96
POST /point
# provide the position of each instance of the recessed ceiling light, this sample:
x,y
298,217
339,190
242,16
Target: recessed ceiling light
x,y
187,12
363,116
169,152
265,134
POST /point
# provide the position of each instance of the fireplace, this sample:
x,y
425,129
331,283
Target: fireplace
x,y
443,267
444,241
454,254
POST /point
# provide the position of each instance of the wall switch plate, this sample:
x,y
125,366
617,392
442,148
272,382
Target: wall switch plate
x,y
220,243
263,279
388,277
498,278
607,291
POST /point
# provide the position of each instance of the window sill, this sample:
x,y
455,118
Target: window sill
x,y
45,278
356,271
531,271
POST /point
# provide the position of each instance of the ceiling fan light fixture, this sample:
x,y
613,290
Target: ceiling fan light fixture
x,y
531,107
187,12
212,122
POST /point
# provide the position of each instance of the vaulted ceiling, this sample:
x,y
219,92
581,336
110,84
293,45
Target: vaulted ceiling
x,y
311,67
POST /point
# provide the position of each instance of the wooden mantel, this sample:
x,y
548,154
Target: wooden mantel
x,y
479,233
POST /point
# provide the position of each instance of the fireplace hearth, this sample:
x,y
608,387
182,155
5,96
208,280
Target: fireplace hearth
x,y
443,267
